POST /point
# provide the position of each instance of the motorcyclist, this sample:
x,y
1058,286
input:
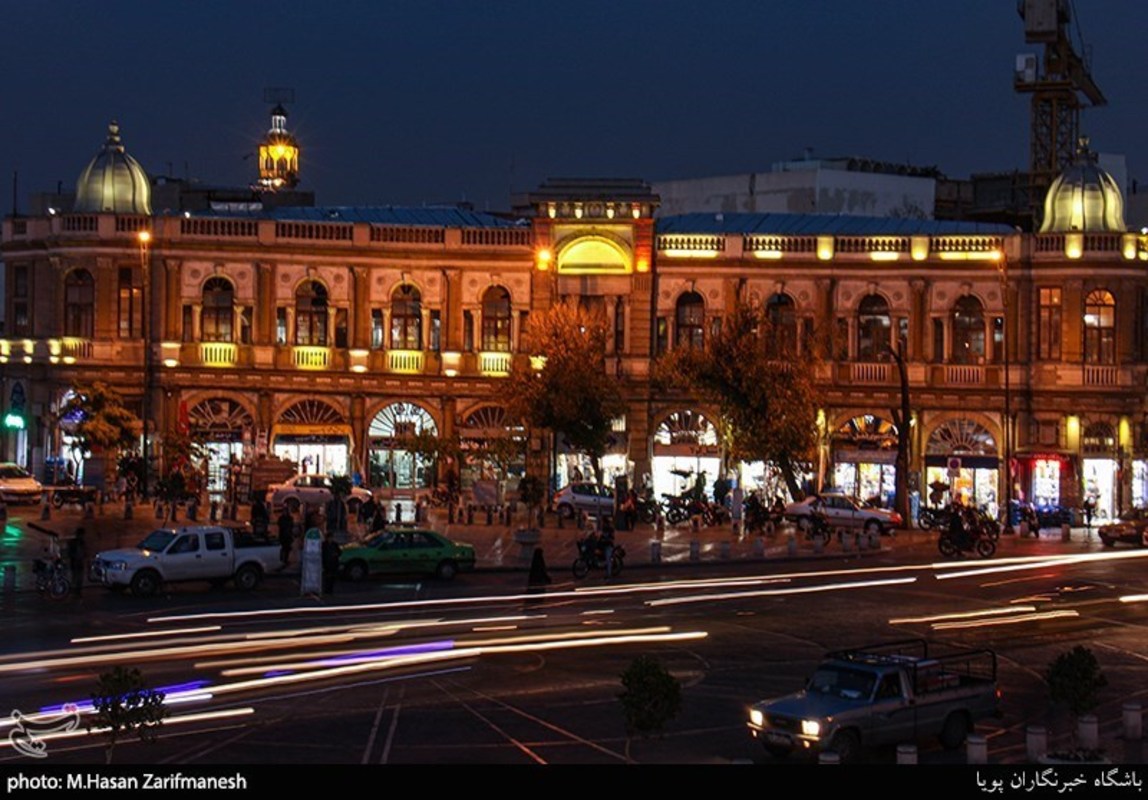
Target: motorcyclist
x,y
958,530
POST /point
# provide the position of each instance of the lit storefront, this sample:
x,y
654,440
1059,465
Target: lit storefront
x,y
223,428
492,449
685,447
865,459
1100,469
315,436
575,466
962,454
392,464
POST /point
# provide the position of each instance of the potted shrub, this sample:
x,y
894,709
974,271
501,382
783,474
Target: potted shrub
x,y
1074,682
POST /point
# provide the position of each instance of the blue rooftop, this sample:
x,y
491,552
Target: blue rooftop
x,y
432,216
824,225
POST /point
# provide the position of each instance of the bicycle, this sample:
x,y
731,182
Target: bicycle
x,y
51,578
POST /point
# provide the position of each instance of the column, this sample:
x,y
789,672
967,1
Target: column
x,y
264,322
172,307
331,315
197,322
918,320
107,280
360,321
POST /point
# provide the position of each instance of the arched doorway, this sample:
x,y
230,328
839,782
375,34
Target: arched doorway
x,y
864,453
394,464
316,436
685,446
1101,468
962,455
493,448
223,428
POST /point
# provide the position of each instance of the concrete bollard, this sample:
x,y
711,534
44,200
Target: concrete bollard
x,y
450,513
724,551
846,542
695,523
791,545
215,511
159,510
193,511
1065,532
695,550
1035,742
828,757
1088,732
759,548
767,529
89,510
470,515
1133,722
582,517
874,541
977,749
906,754
660,527
655,552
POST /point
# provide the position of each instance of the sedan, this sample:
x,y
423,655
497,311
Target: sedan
x,y
17,486
574,498
1131,528
407,552
314,490
841,511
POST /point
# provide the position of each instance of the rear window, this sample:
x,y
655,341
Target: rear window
x,y
9,471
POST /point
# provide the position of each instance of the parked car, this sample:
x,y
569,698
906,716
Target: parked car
x,y
574,498
314,490
18,487
403,551
841,511
1131,528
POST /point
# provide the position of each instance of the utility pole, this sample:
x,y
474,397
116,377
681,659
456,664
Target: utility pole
x,y
1002,273
902,418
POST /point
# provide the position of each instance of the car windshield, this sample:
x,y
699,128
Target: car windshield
x,y
9,471
156,540
381,540
848,684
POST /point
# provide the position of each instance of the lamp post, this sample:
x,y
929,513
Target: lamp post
x,y
1002,274
901,495
144,237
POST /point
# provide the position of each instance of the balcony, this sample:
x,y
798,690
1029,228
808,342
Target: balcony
x,y
1095,375
74,349
218,354
494,364
311,357
964,374
405,362
868,372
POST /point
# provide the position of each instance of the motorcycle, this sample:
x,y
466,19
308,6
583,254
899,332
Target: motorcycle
x,y
73,494
977,540
933,519
51,578
592,555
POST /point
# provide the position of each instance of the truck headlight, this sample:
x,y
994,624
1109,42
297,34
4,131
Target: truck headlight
x,y
756,717
117,565
810,727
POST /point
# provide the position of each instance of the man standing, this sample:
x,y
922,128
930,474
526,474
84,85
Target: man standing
x,y
77,560
286,524
331,551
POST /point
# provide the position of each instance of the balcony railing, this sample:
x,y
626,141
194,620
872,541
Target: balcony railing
x,y
219,354
964,374
74,349
495,364
1101,375
312,357
405,362
868,372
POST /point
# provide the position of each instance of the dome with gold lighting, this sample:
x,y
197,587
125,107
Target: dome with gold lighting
x,y
113,182
278,155
1083,198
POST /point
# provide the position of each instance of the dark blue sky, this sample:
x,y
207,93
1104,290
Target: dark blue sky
x,y
428,101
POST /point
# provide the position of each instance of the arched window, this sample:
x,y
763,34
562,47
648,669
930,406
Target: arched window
x,y
782,314
79,304
311,314
406,318
496,320
218,311
1099,328
873,327
689,330
968,331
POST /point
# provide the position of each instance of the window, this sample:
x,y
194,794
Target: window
x,y
782,315
79,304
938,341
873,326
214,540
496,320
968,331
218,311
842,339
619,326
1099,328
280,325
185,544
998,340
246,313
187,320
436,330
406,319
468,331
1048,335
311,314
129,305
523,322
662,336
689,330
21,324
377,339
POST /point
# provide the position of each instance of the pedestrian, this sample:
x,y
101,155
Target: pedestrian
x,y
330,552
606,542
630,509
367,510
1089,509
260,518
286,524
77,560
538,577
379,520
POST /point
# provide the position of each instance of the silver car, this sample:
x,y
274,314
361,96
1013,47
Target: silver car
x,y
574,498
842,511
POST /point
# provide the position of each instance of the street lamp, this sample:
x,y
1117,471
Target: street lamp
x,y
144,237
1002,273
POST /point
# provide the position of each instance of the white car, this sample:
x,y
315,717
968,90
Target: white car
x,y
18,487
841,511
314,490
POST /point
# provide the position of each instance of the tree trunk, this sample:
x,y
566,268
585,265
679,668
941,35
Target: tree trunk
x,y
787,473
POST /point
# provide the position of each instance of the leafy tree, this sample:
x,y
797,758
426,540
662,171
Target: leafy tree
x,y
531,491
123,706
763,391
571,394
652,698
1075,680
95,416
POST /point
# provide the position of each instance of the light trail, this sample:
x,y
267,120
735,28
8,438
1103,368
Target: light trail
x,y
962,615
145,634
834,587
181,719
984,623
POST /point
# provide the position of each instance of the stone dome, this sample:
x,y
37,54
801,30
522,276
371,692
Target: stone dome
x,y
1083,198
113,182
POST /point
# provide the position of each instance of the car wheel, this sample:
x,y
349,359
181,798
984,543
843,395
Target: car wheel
x,y
873,528
566,511
292,504
145,583
1107,542
248,577
955,731
580,568
846,745
357,571
446,571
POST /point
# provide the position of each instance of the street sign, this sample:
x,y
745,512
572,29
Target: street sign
x,y
311,575
954,467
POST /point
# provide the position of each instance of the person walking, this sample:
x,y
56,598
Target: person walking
x,y
331,552
286,524
538,578
77,560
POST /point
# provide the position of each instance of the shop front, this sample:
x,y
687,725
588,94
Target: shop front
x,y
315,436
685,450
1100,470
864,458
961,456
492,448
223,429
396,462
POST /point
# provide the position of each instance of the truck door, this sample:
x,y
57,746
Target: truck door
x,y
893,715
183,559
218,556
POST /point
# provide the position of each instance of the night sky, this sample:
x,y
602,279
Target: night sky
x,y
437,101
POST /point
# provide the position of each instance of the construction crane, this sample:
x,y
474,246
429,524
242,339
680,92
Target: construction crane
x,y
1060,85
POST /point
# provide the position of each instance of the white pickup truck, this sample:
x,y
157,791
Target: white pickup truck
x,y
196,553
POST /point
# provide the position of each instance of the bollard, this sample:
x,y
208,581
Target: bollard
x,y
655,552
89,510
791,545
214,510
759,548
450,513
45,509
724,551
1036,742
3,510
399,512
874,541
828,757
695,550
1065,532
660,527
977,749
9,578
818,544
159,510
767,529
695,523
581,520
129,512
175,512
857,541
1088,732
193,511
1133,725
906,754
470,515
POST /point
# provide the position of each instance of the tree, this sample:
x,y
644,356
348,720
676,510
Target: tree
x,y
651,698
762,389
124,706
96,418
571,394
1074,681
